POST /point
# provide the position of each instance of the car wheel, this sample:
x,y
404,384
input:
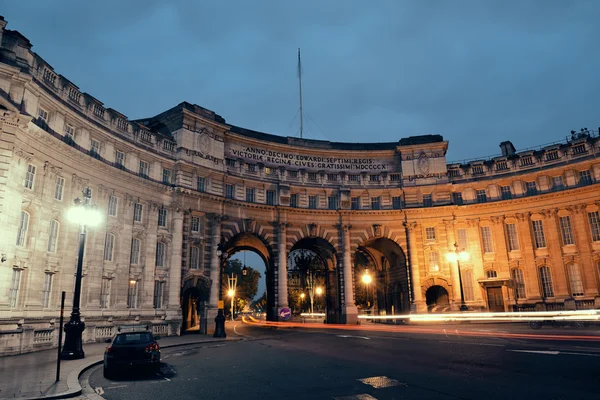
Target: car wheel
x,y
108,373
535,324
156,368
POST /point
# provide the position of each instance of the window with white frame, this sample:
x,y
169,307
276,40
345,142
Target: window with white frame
x,y
132,294
467,280
109,245
566,231
158,293
29,177
229,191
15,285
519,278
23,228
462,239
70,132
486,238
59,188
434,261
53,236
120,159
430,233
112,206
166,176
105,293
47,289
43,116
269,171
538,234
161,252
594,220
201,183
513,237
575,280
162,217
144,169
134,257
138,210
312,201
546,280
195,224
194,257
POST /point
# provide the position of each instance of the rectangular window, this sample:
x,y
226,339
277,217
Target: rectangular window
x,y
467,280
162,217
195,224
531,188
376,203
158,294
271,197
430,233
519,279
355,203
312,201
566,231
557,183
195,257
95,148
29,177
269,171
486,238
137,212
229,162
575,280
43,115
144,169
546,278
506,192
333,202
353,178
132,294
434,261
228,191
23,228
109,244
112,206
161,250
585,178
481,196
69,134
251,167
59,188
292,174
201,184
462,239
15,284
53,236
166,176
46,290
312,176
135,251
120,159
513,237
332,177
457,198
105,293
395,178
373,178
294,200
538,234
250,195
594,219
427,200
397,202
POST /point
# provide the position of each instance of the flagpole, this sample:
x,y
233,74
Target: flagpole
x,y
300,84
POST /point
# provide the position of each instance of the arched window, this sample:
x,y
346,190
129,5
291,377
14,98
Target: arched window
x,y
53,236
161,251
575,280
467,281
517,275
194,257
109,246
546,278
23,227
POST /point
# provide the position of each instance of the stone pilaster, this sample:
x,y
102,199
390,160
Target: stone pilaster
x,y
174,306
349,310
418,304
215,271
282,276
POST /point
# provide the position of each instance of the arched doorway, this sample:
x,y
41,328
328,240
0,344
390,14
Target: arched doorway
x,y
247,241
324,272
194,305
437,298
386,291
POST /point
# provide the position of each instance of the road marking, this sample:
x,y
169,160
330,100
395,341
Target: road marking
x,y
352,336
116,387
579,354
475,343
363,396
166,379
537,352
379,382
99,390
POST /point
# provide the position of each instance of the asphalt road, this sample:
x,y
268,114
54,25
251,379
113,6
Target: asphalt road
x,y
326,364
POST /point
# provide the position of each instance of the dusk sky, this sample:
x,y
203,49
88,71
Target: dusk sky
x,y
476,72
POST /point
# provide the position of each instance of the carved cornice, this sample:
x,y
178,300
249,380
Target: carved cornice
x,y
51,170
411,226
23,154
576,208
473,222
498,219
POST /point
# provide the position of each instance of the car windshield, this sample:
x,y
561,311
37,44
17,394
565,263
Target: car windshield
x,y
133,338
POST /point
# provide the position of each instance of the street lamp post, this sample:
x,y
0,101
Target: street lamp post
x,y
302,296
319,291
458,255
231,292
85,214
220,318
367,280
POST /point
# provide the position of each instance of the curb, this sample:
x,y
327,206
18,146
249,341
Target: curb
x,y
75,389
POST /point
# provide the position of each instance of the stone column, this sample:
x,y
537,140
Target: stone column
x,y
215,271
532,281
453,265
174,303
583,240
282,275
418,304
349,311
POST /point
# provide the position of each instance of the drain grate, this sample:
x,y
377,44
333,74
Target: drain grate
x,y
379,382
356,397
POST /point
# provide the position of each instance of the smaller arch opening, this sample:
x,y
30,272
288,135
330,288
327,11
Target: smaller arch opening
x,y
437,299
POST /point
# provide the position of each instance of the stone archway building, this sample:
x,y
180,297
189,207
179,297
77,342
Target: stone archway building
x,y
180,185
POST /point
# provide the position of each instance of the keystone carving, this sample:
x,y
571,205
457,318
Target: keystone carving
x,y
312,230
377,231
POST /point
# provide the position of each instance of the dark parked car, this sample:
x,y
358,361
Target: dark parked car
x,y
132,350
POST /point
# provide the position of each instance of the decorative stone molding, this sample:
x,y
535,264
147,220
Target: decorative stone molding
x,y
473,222
576,208
23,154
377,230
497,220
541,261
312,230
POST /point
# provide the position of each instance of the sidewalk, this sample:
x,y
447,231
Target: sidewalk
x,y
32,375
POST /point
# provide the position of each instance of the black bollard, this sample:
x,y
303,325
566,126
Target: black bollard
x,y
220,325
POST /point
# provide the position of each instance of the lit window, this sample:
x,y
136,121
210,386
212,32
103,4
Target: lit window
x,y
575,280
132,294
434,261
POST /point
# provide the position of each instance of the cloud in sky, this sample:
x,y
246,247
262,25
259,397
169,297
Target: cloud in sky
x,y
476,72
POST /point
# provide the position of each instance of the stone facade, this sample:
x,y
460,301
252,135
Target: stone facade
x,y
184,190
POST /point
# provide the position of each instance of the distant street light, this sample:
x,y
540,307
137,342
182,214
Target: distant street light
x,y
85,214
319,291
231,291
458,256
366,278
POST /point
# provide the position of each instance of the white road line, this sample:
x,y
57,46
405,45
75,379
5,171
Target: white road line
x,y
166,379
579,354
537,352
474,343
352,336
116,387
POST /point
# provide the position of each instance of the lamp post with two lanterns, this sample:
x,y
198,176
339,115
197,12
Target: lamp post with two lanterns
x,y
85,214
